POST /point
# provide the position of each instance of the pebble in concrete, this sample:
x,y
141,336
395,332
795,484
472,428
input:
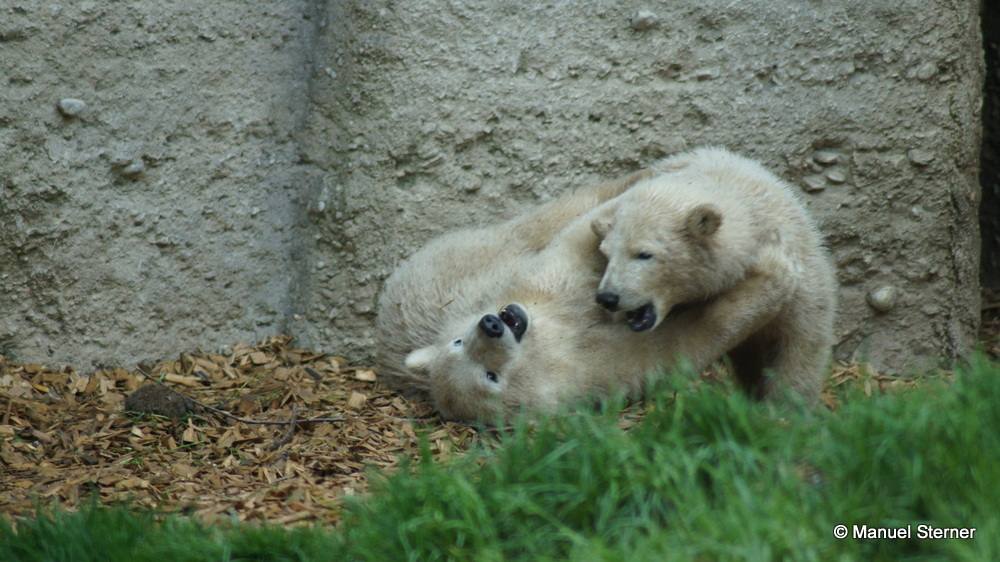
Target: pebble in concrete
x,y
882,298
827,156
644,19
71,107
836,174
920,157
814,183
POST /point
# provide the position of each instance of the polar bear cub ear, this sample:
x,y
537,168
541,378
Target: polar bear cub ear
x,y
703,221
601,224
419,361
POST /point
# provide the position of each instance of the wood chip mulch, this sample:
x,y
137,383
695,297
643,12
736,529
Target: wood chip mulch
x,y
66,436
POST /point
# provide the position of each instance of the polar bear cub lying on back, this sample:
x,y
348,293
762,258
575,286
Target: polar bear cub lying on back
x,y
705,225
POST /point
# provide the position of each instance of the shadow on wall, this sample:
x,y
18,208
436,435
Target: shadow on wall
x,y
989,175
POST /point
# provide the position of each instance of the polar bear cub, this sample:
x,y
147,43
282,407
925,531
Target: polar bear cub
x,y
706,224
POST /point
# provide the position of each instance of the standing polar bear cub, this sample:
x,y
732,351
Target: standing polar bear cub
x,y
700,229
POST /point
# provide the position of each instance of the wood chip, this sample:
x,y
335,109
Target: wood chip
x,y
356,401
260,358
178,379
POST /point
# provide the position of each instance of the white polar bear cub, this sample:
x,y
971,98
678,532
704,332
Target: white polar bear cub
x,y
707,223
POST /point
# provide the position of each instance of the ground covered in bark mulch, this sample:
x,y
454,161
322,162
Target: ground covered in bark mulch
x,y
258,433
66,436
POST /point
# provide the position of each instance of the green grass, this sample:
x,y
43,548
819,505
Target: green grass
x,y
101,534
704,475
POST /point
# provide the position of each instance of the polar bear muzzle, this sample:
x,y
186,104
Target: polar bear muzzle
x,y
516,319
642,318
511,316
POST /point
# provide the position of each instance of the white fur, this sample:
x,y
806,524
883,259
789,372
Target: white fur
x,y
713,224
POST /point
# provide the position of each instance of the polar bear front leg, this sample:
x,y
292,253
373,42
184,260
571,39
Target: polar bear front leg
x,y
729,319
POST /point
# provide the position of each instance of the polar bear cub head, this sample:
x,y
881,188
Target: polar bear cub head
x,y
688,234
657,254
679,238
489,368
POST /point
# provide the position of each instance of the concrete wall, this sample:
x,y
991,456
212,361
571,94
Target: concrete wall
x,y
159,217
292,154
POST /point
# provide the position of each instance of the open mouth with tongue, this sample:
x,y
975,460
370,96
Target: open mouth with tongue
x,y
642,318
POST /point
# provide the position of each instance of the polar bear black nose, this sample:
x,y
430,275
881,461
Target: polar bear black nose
x,y
491,325
608,300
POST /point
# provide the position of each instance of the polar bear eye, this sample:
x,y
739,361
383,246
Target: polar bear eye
x,y
492,377
457,342
643,256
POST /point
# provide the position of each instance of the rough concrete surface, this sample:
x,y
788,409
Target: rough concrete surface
x,y
158,215
242,169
